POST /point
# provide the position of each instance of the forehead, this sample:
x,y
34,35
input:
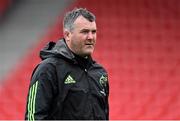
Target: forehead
x,y
81,23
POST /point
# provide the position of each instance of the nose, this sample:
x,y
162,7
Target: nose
x,y
90,35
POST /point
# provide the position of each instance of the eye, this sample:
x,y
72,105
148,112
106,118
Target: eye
x,y
85,31
93,31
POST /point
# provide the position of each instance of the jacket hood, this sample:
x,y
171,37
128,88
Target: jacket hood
x,y
53,49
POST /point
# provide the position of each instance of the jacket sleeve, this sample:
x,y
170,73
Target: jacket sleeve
x,y
107,100
42,89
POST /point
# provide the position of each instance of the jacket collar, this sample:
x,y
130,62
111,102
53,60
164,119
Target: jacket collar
x,y
59,49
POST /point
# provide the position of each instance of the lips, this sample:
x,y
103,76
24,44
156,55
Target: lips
x,y
89,44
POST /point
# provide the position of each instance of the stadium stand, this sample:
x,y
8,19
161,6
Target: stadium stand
x,y
138,42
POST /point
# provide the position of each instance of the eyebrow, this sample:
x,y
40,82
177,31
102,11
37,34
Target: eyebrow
x,y
84,30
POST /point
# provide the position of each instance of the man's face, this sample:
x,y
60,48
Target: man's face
x,y
81,40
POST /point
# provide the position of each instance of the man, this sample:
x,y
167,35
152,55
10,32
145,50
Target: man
x,y
68,84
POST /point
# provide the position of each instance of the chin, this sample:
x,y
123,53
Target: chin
x,y
87,53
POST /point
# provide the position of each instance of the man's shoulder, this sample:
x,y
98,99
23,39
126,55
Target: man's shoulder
x,y
52,60
51,63
99,66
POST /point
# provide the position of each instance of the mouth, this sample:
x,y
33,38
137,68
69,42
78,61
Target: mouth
x,y
90,44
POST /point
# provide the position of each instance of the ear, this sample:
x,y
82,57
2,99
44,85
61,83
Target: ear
x,y
66,34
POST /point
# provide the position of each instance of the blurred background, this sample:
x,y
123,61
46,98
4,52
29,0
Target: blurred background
x,y
138,42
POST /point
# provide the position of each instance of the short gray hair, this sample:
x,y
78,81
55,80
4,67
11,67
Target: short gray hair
x,y
71,16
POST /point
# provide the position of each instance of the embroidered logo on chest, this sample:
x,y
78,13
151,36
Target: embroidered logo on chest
x,y
103,80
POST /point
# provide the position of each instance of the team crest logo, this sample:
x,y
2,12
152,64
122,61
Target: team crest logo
x,y
103,80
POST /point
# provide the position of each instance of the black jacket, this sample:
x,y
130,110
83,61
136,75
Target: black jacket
x,y
66,86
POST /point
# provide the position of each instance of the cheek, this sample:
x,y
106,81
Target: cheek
x,y
79,39
95,38
76,37
76,42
